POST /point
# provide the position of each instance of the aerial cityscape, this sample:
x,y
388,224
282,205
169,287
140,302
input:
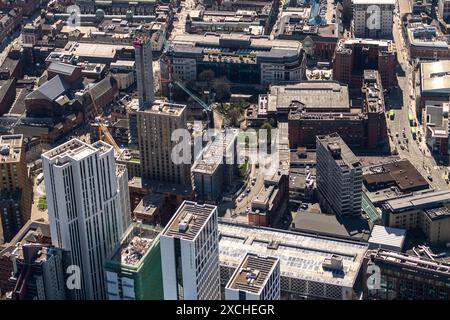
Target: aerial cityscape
x,y
225,150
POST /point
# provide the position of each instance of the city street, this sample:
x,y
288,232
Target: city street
x,y
400,130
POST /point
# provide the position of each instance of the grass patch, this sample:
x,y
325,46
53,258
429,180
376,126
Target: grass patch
x,y
42,203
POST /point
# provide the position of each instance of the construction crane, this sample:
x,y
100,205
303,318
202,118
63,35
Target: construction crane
x,y
103,132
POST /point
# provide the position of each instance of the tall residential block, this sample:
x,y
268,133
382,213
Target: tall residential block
x,y
156,123
144,71
133,271
256,278
15,186
190,254
339,176
83,208
373,18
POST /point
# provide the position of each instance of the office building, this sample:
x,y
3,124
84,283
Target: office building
x,y
246,61
339,176
256,278
311,266
190,254
40,273
426,42
216,167
373,18
156,123
144,71
434,84
406,277
429,212
34,232
133,271
15,186
83,207
353,56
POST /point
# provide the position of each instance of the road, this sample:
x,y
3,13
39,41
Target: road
x,y
413,150
179,24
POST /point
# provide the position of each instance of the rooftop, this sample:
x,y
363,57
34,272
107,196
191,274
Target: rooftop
x,y
11,148
302,256
74,149
324,95
188,220
161,107
435,76
253,273
135,244
339,150
426,200
400,173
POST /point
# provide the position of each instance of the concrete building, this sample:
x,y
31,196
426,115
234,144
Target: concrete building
x,y
137,7
246,61
353,56
156,123
406,277
373,18
434,84
190,254
144,72
216,167
39,272
256,278
133,271
429,211
15,186
438,129
374,107
83,207
426,42
327,268
339,176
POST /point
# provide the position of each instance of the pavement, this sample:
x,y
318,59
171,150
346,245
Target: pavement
x,y
403,102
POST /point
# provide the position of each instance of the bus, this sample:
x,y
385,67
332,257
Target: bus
x,y
391,114
414,133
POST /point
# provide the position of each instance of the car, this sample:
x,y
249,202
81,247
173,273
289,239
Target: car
x,y
430,178
304,206
248,190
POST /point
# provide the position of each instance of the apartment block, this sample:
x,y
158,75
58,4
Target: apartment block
x,y
339,176
83,207
15,186
190,254
256,278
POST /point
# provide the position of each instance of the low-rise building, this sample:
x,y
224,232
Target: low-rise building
x,y
429,211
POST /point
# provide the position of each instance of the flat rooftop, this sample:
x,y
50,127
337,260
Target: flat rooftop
x,y
11,148
435,76
188,220
301,255
355,228
326,95
253,273
420,201
161,107
215,152
135,244
342,154
75,149
400,173
95,50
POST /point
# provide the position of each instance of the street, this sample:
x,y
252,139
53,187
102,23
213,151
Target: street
x,y
400,131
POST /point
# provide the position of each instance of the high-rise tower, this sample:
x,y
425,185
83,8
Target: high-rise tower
x,y
144,71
